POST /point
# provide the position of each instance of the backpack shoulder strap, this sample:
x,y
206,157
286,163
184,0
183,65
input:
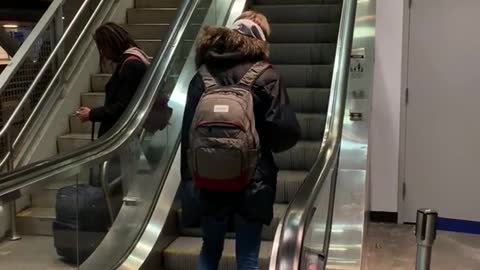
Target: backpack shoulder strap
x,y
134,58
254,73
208,80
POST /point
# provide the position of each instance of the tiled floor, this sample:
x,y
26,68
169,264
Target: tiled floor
x,y
389,247
393,247
30,253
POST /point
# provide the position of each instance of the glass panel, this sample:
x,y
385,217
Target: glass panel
x,y
43,227
313,253
107,204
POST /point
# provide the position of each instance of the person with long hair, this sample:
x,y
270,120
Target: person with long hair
x,y
117,46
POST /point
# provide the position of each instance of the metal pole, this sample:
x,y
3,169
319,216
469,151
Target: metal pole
x,y
106,189
426,233
13,208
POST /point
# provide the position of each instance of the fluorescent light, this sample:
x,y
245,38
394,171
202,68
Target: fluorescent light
x,y
10,26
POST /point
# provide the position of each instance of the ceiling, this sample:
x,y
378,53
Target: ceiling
x,y
22,10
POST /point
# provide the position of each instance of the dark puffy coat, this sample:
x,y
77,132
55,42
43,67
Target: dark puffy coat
x,y
228,56
119,92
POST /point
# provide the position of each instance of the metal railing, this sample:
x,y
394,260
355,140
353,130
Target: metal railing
x,y
15,104
289,241
128,127
29,88
56,60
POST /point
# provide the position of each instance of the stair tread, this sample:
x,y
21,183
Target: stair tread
x,y
279,210
37,212
303,65
309,115
308,88
60,184
303,53
305,76
295,5
309,100
297,2
148,24
154,8
148,40
82,136
299,24
310,12
189,245
100,94
156,3
300,157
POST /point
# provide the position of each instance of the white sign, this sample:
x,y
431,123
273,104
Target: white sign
x,y
357,63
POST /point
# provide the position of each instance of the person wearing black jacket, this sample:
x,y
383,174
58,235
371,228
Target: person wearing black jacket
x,y
228,54
115,45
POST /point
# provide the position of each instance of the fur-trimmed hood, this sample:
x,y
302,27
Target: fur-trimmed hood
x,y
221,44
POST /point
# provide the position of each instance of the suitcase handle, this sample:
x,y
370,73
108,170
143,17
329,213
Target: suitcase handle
x,y
92,138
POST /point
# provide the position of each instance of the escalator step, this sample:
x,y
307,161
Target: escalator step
x,y
309,13
158,31
159,15
147,31
93,99
303,53
77,126
183,254
156,3
304,33
165,3
318,76
99,81
309,100
150,15
296,2
288,183
69,142
268,232
300,157
312,125
150,46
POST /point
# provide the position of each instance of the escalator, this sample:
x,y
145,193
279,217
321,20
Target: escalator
x,y
147,232
303,52
148,22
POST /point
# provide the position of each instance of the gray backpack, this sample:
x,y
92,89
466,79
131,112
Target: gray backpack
x,y
224,143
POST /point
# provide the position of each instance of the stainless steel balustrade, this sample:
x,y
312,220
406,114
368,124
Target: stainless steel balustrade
x,y
288,248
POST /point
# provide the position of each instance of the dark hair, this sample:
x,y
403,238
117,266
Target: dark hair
x,y
114,38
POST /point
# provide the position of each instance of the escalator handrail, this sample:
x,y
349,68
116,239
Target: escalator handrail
x,y
128,126
288,243
49,15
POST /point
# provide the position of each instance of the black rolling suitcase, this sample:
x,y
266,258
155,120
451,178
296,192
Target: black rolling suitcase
x,y
82,220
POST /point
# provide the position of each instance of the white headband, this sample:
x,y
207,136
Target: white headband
x,y
249,28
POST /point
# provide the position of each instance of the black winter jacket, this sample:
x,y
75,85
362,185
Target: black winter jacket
x,y
119,91
256,202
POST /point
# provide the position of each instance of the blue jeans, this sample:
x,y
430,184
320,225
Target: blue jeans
x,y
248,238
